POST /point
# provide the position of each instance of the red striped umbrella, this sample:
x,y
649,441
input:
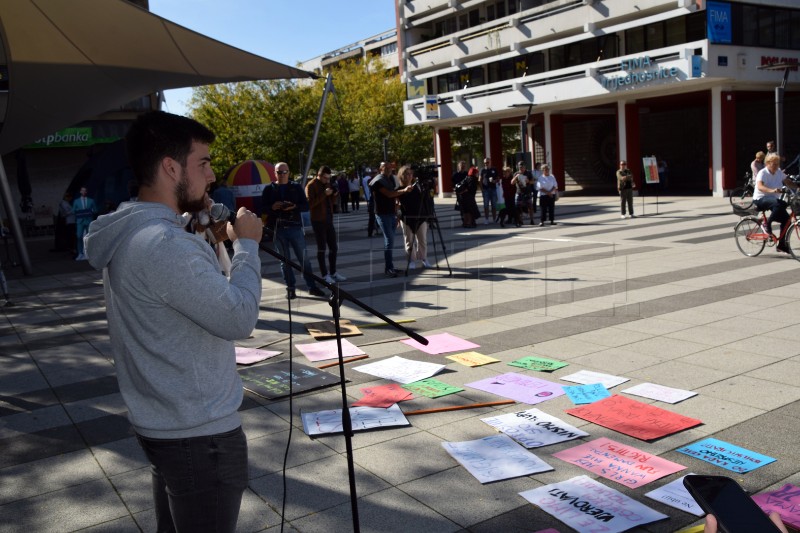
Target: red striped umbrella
x,y
247,181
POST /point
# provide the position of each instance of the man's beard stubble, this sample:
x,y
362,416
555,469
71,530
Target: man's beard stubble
x,y
186,204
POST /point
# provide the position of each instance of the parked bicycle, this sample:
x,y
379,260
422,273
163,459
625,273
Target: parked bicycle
x,y
751,231
742,197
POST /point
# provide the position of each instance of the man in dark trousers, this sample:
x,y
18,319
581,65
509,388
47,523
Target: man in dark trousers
x,y
321,200
283,201
489,189
383,190
172,318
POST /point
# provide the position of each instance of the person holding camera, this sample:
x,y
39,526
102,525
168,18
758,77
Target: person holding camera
x,y
321,201
385,195
414,219
172,318
283,201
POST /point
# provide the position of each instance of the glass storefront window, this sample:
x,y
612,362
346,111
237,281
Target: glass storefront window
x,y
654,35
675,30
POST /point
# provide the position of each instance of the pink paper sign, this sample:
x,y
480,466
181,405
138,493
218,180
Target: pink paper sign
x,y
519,387
383,395
442,343
248,356
785,502
617,462
634,418
320,351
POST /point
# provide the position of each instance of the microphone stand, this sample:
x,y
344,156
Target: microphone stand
x,y
337,296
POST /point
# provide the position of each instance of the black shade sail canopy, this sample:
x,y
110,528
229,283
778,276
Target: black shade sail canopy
x,y
64,61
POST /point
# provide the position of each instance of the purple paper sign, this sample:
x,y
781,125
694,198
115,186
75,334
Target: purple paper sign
x,y
786,502
519,387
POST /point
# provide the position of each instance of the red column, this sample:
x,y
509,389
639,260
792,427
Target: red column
x,y
633,144
557,156
444,158
728,117
496,144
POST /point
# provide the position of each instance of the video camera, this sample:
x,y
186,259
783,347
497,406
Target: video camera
x,y
426,175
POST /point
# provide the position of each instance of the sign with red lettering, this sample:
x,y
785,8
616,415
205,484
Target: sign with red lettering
x,y
637,419
624,464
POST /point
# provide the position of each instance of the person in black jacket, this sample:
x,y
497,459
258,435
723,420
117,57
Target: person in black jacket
x,y
466,191
282,201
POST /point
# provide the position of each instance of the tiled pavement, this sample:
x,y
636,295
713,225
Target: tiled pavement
x,y
665,298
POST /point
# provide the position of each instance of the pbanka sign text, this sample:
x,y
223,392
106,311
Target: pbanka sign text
x,y
640,70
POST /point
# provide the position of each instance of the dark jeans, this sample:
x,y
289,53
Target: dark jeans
x,y
371,221
355,200
325,236
198,482
626,198
777,209
292,238
548,204
387,224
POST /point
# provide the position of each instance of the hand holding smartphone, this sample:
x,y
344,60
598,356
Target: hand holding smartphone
x,y
734,509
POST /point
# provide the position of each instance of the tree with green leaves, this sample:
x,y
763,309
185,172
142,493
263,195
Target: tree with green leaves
x,y
274,120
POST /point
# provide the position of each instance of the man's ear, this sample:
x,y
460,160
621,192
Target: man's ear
x,y
171,169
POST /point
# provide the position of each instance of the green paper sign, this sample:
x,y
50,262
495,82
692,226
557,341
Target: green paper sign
x,y
539,364
431,388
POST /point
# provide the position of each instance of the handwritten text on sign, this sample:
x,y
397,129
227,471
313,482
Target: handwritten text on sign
x,y
728,456
587,505
617,462
534,428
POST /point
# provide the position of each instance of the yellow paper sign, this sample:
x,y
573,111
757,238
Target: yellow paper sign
x,y
472,359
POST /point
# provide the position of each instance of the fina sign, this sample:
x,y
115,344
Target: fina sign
x,y
640,70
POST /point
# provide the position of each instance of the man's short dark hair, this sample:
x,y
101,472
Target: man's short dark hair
x,y
324,169
156,135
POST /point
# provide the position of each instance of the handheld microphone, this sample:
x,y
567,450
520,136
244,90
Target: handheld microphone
x,y
220,213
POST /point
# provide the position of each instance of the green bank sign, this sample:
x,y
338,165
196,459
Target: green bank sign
x,y
70,137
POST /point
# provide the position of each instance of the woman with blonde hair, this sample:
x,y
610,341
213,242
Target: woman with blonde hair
x,y
414,220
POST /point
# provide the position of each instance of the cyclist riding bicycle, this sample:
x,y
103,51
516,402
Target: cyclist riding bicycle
x,y
766,196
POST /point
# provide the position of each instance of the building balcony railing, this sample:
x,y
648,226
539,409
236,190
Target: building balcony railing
x,y
549,23
593,84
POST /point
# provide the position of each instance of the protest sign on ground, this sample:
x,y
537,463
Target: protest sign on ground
x,y
587,377
634,418
587,505
441,343
519,387
659,392
784,501
583,394
323,350
534,428
400,369
495,458
615,461
728,456
362,418
675,495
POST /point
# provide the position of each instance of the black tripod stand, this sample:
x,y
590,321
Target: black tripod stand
x,y
337,296
425,213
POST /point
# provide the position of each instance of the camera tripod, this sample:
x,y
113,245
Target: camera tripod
x,y
427,213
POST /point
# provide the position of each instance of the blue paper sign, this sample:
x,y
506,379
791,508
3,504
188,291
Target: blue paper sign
x,y
718,21
728,456
582,394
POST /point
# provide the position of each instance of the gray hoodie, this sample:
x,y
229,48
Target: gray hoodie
x,y
172,318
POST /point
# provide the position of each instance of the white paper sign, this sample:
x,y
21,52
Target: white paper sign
x,y
587,377
587,505
534,428
495,458
675,495
362,418
401,370
324,350
660,392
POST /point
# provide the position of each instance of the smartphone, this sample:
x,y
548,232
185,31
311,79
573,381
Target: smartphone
x,y
735,510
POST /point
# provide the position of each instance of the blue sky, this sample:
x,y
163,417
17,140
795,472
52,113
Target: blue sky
x,y
287,31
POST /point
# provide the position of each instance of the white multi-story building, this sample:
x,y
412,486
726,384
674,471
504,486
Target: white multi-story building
x,y
608,80
383,45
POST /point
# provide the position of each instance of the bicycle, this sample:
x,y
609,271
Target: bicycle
x,y
751,233
741,198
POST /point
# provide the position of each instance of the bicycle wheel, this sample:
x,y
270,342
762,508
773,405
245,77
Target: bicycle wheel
x,y
793,239
749,237
741,198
